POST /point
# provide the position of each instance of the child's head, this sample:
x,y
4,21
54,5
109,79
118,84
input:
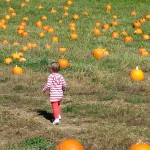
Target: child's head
x,y
54,67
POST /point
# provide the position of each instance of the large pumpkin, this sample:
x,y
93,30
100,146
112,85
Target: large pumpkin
x,y
137,74
98,53
70,144
140,146
17,70
63,63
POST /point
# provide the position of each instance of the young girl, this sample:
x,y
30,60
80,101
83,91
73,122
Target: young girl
x,y
56,85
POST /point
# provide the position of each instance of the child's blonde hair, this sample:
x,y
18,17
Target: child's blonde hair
x,y
54,67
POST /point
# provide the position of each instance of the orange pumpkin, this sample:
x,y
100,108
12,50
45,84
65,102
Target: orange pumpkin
x,y
134,13
108,7
63,63
97,32
24,34
128,39
147,16
54,38
138,31
62,49
70,144
142,20
17,70
140,146
75,17
105,26
97,24
115,35
38,23
41,34
69,2
15,55
73,36
137,74
145,37
144,53
50,30
98,53
137,24
114,23
8,60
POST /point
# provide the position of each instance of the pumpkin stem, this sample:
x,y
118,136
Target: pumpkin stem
x,y
137,68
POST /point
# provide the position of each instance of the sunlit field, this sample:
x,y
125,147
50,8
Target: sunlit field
x,y
102,41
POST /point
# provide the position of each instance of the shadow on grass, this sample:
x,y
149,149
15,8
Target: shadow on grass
x,y
46,115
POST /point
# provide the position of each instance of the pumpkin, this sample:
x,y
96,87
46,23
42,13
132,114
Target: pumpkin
x,y
114,23
75,17
25,18
22,59
73,29
147,16
105,26
69,2
72,24
145,37
38,23
50,30
69,144
66,14
41,34
63,63
21,27
142,20
108,7
115,35
62,49
44,18
128,39
23,24
16,44
53,11
138,31
97,32
7,17
40,6
24,48
48,46
115,16
8,60
144,53
20,31
15,55
140,146
54,38
73,36
5,42
24,34
97,24
98,53
134,13
65,8
45,27
137,24
137,74
140,50
17,70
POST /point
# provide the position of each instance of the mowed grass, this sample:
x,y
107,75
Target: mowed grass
x,y
102,107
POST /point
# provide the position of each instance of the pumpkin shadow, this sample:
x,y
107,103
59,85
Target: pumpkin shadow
x,y
46,115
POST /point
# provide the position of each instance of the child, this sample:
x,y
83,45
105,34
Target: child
x,y
56,86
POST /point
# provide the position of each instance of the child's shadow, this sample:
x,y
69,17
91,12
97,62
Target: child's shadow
x,y
46,115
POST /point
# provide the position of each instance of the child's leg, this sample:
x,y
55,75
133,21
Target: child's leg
x,y
56,109
59,110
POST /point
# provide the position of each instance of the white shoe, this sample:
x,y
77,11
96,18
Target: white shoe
x,y
56,122
59,117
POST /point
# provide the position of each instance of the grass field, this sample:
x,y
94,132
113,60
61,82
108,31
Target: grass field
x,y
102,107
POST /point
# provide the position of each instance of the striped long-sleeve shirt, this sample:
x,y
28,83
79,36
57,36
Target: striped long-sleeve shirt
x,y
56,85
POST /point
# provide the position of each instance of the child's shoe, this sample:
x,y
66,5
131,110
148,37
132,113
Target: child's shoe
x,y
56,122
59,117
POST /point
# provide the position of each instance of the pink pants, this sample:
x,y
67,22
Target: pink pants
x,y
56,109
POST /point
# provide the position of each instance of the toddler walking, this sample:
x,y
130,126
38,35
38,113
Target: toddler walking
x,y
56,85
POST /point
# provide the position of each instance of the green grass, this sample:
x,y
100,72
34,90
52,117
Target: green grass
x,y
102,107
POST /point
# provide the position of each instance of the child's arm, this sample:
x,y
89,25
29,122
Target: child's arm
x,y
47,85
64,86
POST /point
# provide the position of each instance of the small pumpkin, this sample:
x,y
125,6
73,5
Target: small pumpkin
x,y
137,74
147,16
73,36
55,38
38,23
44,18
24,34
69,144
8,60
75,17
140,146
133,13
145,37
97,24
128,39
69,2
41,34
97,32
62,49
142,20
105,26
145,53
108,7
64,63
50,30
138,31
98,53
15,55
17,70
137,24
115,35
114,23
